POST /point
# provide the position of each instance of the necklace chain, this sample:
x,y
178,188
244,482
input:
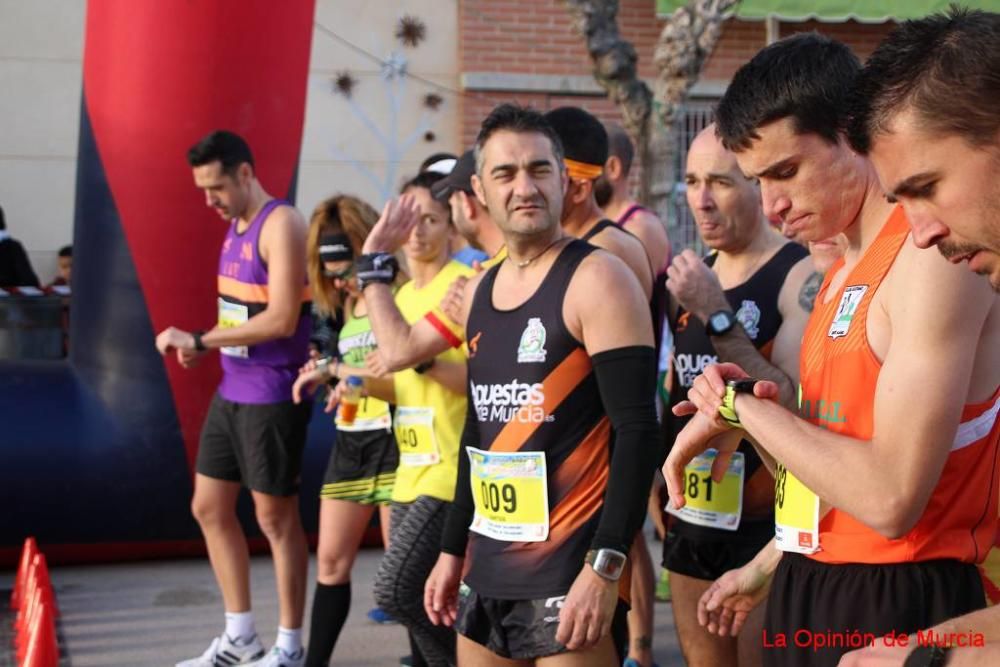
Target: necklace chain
x,y
525,262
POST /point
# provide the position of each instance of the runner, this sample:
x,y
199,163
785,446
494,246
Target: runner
x,y
747,303
363,460
253,434
533,593
470,218
430,411
907,507
949,114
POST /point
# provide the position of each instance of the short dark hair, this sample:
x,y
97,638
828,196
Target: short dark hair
x,y
620,145
424,179
946,67
515,118
583,137
3,220
806,77
223,146
66,251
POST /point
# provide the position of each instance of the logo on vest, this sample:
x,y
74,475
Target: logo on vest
x,y
849,303
531,349
749,317
512,401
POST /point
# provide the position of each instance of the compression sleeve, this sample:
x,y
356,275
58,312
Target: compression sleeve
x,y
626,378
456,528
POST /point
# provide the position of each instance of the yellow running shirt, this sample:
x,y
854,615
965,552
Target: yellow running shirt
x,y
429,418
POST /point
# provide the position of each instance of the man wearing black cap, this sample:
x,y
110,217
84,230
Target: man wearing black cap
x,y
470,217
586,144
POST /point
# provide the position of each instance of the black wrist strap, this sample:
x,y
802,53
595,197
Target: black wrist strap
x,y
424,367
377,267
199,345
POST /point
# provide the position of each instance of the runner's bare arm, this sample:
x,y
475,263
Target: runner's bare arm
x,y
693,284
888,480
449,374
283,247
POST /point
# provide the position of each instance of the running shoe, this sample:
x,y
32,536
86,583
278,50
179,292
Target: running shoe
x,y
224,651
278,658
376,615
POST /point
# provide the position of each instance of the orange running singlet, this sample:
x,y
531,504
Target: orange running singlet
x,y
839,375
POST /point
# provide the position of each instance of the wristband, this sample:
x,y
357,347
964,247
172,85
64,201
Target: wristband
x,y
199,345
928,656
424,367
378,267
728,408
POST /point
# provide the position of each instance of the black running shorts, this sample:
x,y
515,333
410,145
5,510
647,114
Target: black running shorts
x,y
708,558
822,611
362,467
259,445
523,629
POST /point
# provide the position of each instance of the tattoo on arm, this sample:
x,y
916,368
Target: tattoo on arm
x,y
810,288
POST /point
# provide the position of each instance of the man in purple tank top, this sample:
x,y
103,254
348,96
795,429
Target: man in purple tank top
x,y
253,434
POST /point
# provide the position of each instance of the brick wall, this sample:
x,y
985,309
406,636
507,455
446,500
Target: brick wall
x,y
534,37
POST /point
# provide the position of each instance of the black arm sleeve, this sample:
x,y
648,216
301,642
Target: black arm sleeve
x,y
626,378
456,527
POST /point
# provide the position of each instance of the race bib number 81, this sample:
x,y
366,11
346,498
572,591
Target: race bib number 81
x,y
711,504
510,492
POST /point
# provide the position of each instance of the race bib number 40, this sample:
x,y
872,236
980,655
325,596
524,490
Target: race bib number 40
x,y
232,315
511,495
711,504
415,435
796,514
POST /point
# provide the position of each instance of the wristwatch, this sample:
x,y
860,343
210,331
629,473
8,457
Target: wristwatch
x,y
728,408
199,345
928,656
720,323
607,563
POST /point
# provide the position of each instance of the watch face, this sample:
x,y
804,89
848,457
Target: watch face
x,y
719,322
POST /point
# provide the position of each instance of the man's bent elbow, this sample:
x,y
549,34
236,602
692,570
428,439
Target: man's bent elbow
x,y
897,516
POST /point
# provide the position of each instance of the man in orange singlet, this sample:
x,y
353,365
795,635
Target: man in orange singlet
x,y
883,505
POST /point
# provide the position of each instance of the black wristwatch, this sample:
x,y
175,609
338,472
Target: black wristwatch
x,y
720,323
928,656
199,344
607,563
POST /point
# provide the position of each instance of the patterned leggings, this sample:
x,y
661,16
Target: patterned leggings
x,y
414,546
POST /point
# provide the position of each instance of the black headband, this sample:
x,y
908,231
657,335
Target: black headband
x,y
335,248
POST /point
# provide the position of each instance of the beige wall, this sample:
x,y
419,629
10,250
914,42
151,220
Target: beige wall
x,y
41,48
41,69
336,140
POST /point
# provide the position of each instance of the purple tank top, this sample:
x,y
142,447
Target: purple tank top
x,y
265,372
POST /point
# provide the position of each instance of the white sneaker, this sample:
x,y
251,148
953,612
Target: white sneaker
x,y
278,658
223,652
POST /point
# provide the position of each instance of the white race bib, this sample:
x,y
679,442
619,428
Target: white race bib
x,y
415,435
232,315
711,504
510,491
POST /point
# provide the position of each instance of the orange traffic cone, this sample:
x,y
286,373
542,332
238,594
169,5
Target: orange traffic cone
x,y
27,555
42,649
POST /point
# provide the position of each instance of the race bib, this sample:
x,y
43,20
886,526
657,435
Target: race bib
x,y
415,435
708,503
796,514
511,495
373,415
232,315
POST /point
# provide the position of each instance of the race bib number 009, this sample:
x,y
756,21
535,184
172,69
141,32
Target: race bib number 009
x,y
510,492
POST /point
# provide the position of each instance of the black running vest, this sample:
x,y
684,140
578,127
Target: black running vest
x,y
534,390
755,303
